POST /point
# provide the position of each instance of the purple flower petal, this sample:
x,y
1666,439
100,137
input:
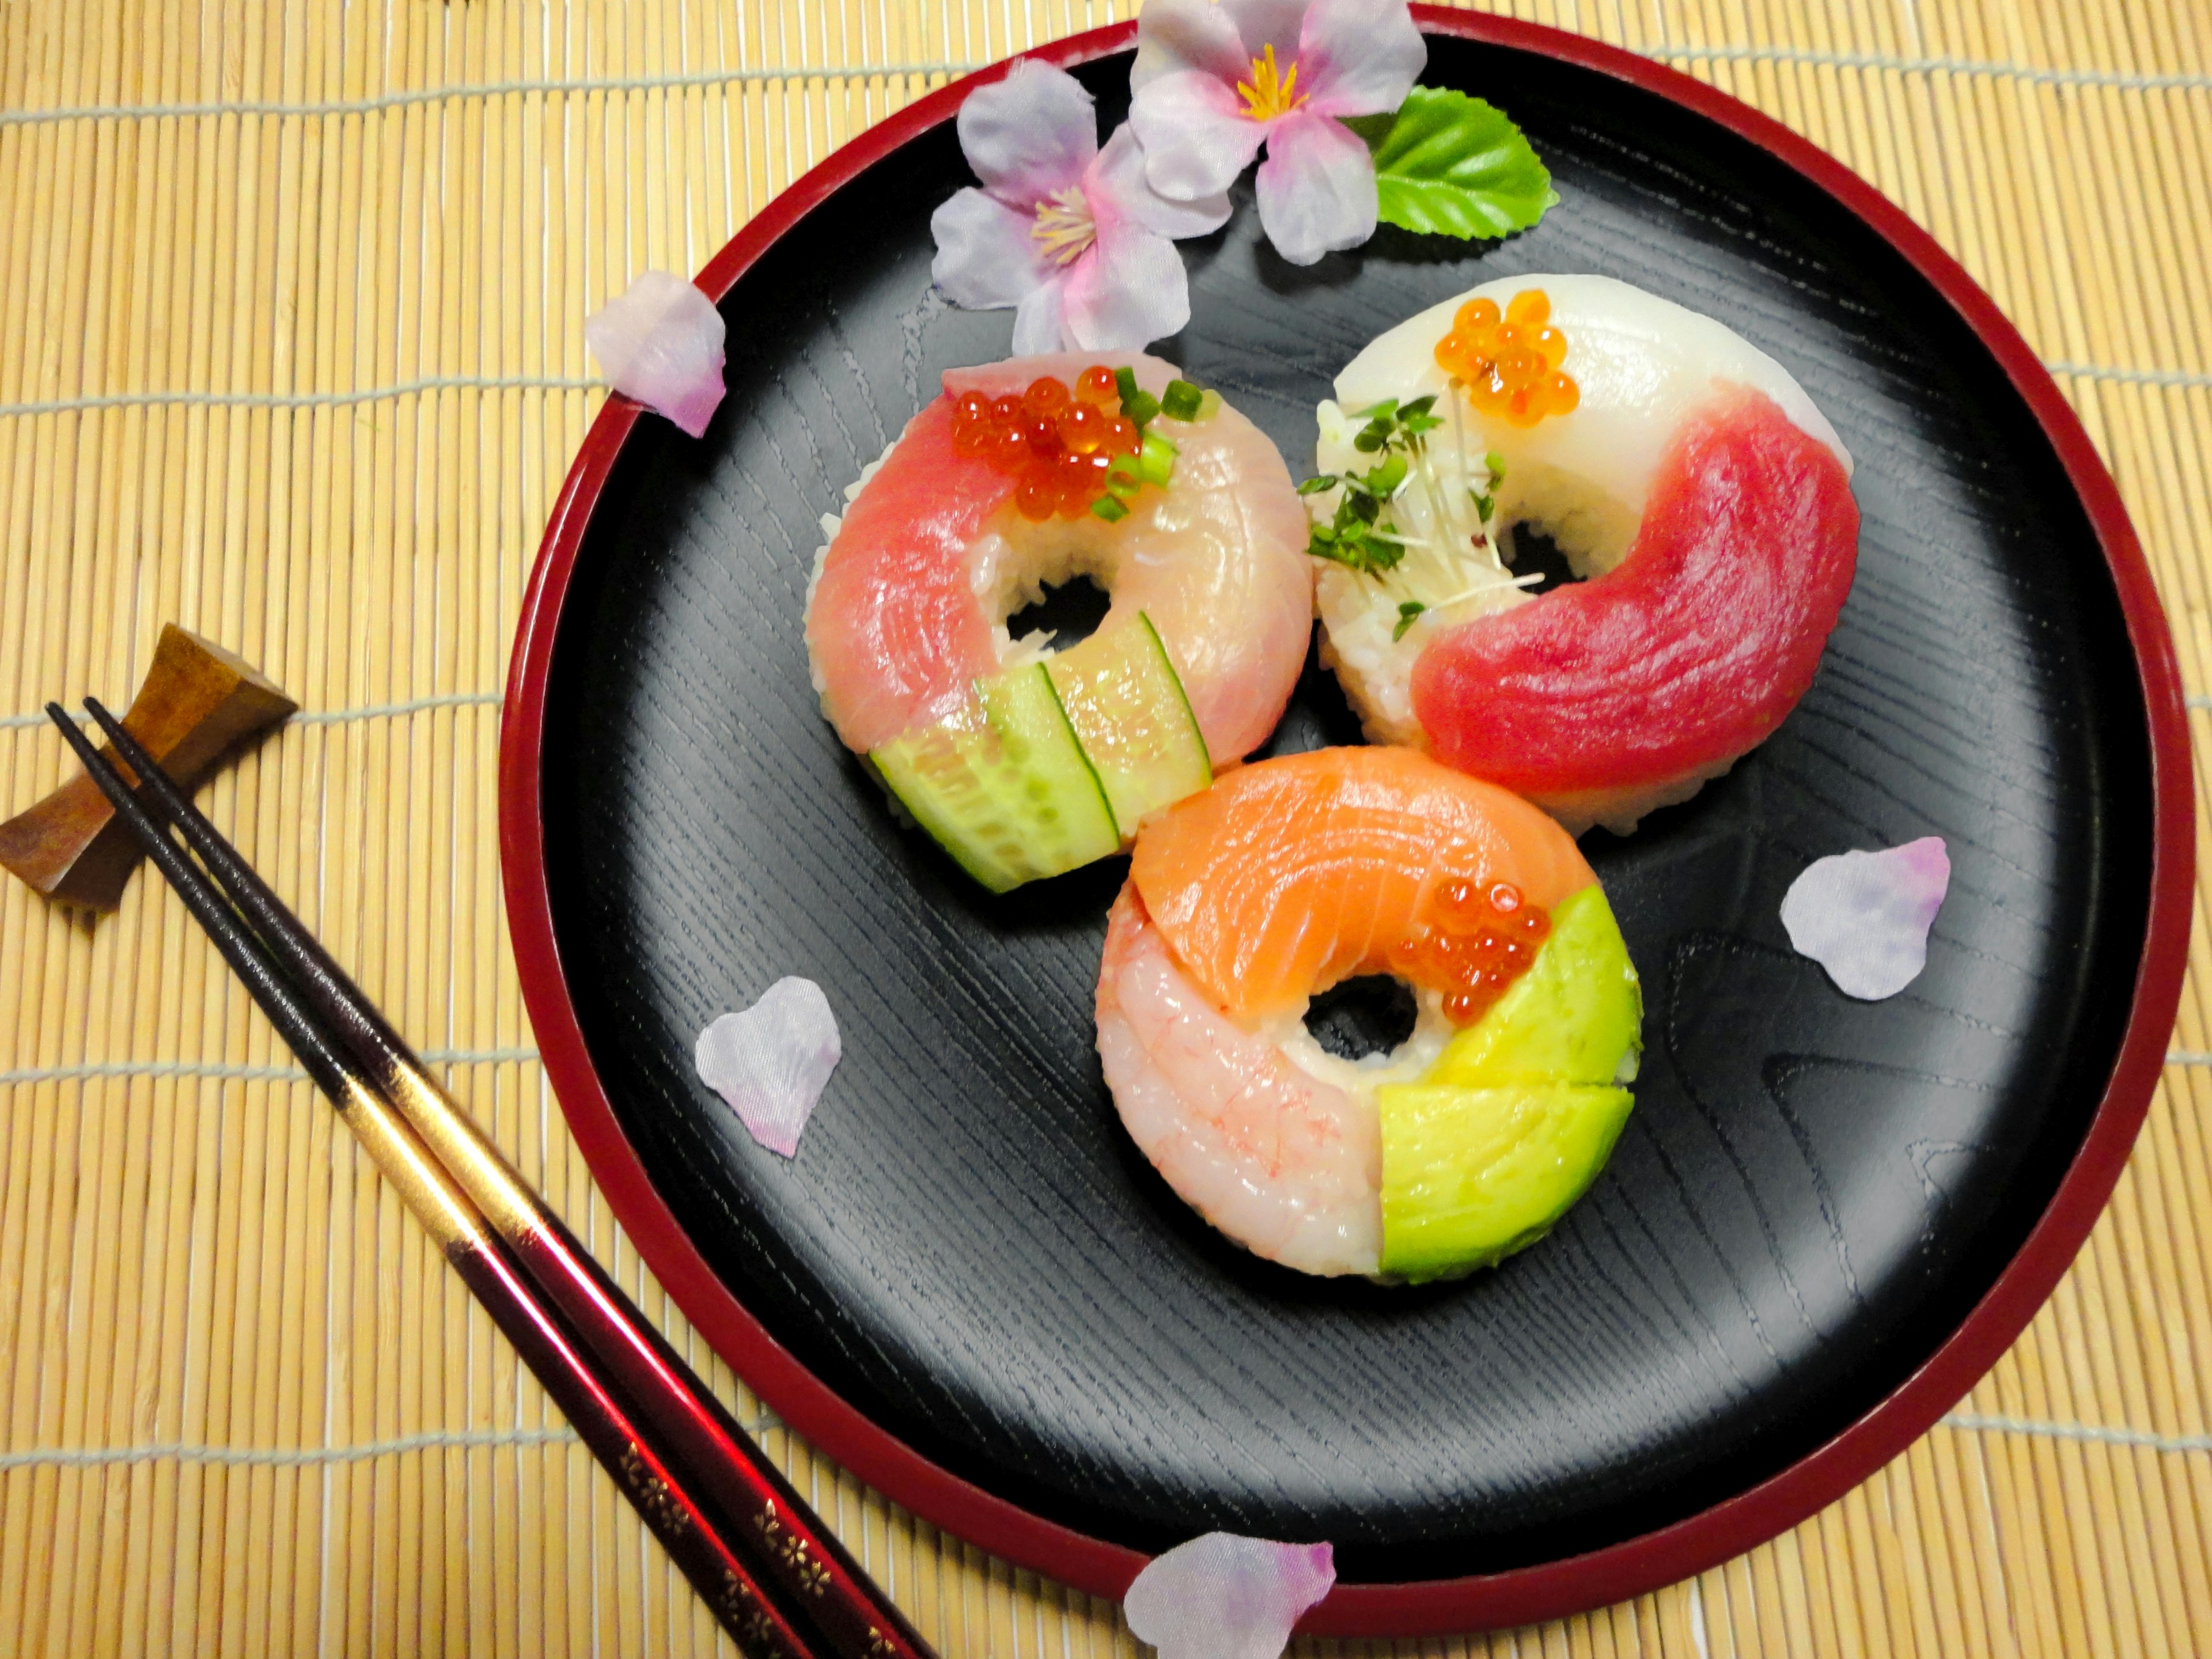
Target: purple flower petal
x,y
1041,320
1225,1597
1186,35
1029,134
1316,188
1196,136
1264,23
1116,186
660,342
1129,290
1865,916
1359,56
770,1061
986,256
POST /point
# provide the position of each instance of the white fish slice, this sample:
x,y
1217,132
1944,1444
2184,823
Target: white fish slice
x,y
1224,1596
771,1061
660,342
1865,916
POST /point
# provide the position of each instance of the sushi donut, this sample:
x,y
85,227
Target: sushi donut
x,y
1460,1146
908,604
1685,475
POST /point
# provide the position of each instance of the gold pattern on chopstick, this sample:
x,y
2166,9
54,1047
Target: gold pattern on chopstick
x,y
880,1645
653,1496
746,1614
792,1550
423,1186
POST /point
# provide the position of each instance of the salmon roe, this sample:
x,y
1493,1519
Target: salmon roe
x,y
1055,441
1510,362
1472,942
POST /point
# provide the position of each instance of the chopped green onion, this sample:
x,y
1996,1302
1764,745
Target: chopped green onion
x,y
1156,460
1406,613
1141,409
1209,405
1110,508
1125,381
1315,486
1180,400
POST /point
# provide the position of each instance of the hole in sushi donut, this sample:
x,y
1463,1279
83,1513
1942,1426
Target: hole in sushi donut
x,y
1070,611
1528,548
1373,1014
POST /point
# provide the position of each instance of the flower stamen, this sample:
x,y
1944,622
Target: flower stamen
x,y
1064,225
1270,92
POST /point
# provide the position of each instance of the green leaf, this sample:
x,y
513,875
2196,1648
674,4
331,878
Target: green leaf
x,y
1315,486
1455,166
1406,613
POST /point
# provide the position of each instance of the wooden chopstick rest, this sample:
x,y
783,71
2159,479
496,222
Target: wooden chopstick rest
x,y
198,700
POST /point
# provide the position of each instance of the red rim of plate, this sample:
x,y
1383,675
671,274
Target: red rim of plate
x,y
1523,1595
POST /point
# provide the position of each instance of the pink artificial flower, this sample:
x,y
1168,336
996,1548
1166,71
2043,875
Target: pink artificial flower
x,y
1070,235
1213,83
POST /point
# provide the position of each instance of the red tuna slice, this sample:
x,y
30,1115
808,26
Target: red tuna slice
x,y
1687,654
896,631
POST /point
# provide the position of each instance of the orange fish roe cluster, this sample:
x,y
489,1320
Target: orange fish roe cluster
x,y
1059,442
1509,364
1475,940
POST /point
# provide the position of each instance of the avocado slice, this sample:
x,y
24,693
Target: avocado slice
x,y
1576,1016
1521,1111
1470,1176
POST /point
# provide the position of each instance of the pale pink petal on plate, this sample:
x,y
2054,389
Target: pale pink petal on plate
x,y
1316,188
1196,138
770,1061
1264,23
1117,188
660,342
986,256
1129,290
1029,134
1359,56
1865,916
1186,35
1225,1597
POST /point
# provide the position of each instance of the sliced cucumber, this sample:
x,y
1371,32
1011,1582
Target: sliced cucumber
x,y
1126,704
1003,786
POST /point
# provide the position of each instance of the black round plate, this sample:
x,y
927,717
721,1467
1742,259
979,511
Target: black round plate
x,y
1812,1192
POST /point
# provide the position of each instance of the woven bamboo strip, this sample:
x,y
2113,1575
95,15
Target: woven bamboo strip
x,y
233,1274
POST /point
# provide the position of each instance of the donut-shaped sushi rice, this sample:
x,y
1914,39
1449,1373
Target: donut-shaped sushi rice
x,y
1687,477
908,605
1470,1138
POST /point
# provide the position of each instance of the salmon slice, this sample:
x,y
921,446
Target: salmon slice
x,y
1688,653
1292,874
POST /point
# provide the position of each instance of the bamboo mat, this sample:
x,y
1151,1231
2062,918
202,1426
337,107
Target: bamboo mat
x,y
290,352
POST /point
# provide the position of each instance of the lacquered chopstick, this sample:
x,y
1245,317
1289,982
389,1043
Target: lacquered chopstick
x,y
750,1609
856,1618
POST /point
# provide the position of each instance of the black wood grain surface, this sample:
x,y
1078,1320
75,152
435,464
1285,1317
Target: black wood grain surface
x,y
1811,1192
